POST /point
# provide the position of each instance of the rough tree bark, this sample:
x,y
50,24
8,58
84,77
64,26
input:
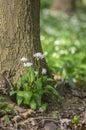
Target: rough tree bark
x,y
19,35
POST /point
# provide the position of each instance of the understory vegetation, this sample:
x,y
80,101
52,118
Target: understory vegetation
x,y
33,85
63,38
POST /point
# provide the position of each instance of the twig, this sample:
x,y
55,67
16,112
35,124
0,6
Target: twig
x,y
45,118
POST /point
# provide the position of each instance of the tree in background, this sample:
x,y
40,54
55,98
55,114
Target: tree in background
x,y
76,4
66,5
19,35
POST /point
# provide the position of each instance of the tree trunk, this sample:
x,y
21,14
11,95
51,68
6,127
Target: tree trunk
x,y
73,5
19,35
61,5
66,5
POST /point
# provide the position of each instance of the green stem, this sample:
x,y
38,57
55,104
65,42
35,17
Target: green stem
x,y
38,68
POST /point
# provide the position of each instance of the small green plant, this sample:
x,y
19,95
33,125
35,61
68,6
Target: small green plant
x,y
7,119
33,85
76,120
4,108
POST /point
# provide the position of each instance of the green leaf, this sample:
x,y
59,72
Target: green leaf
x,y
37,98
38,83
26,87
50,79
76,120
52,90
22,80
44,78
33,104
31,74
12,93
20,93
70,81
44,107
19,100
20,96
27,97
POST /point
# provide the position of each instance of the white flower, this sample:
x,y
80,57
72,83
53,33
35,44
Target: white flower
x,y
57,42
44,71
23,59
36,72
55,55
40,109
73,50
45,53
56,48
39,55
64,52
28,64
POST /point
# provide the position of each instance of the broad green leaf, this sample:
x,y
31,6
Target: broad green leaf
x,y
12,93
26,87
27,97
72,84
44,78
76,119
20,93
38,83
33,104
22,80
44,107
19,100
37,98
31,74
52,90
20,97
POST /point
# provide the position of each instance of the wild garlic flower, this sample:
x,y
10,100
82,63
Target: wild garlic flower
x,y
28,64
36,73
44,71
45,53
24,59
39,55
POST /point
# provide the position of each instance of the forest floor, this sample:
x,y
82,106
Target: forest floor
x,y
57,117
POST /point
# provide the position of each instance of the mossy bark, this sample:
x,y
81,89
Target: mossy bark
x,y
19,35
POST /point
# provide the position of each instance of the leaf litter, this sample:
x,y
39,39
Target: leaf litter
x,y
57,117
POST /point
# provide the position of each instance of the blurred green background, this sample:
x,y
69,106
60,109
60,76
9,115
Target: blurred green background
x,y
63,38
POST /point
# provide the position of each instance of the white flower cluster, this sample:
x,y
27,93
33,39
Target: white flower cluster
x,y
26,64
24,59
39,55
